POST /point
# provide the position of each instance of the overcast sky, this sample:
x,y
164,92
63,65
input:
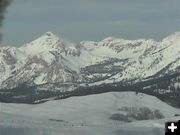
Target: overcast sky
x,y
78,20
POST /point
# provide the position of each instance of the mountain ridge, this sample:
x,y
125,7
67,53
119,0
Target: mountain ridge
x,y
49,47
51,60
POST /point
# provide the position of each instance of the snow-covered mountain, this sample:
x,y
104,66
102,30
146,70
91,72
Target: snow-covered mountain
x,y
50,63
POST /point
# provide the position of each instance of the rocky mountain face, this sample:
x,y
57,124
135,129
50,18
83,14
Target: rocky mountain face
x,y
50,67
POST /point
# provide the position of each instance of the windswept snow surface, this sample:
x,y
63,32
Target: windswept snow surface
x,y
87,115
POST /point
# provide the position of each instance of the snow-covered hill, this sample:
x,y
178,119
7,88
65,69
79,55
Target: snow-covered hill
x,y
88,115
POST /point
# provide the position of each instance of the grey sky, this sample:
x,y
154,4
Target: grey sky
x,y
77,20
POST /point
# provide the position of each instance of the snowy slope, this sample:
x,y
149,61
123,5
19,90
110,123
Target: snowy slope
x,y
51,64
50,59
84,115
92,109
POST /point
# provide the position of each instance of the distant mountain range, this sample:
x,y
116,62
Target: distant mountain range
x,y
51,68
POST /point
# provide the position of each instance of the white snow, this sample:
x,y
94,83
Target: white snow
x,y
144,57
84,115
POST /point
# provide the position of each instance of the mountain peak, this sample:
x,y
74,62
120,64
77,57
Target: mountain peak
x,y
47,38
175,37
49,34
47,42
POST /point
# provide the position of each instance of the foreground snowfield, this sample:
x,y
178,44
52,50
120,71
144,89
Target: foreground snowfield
x,y
87,115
